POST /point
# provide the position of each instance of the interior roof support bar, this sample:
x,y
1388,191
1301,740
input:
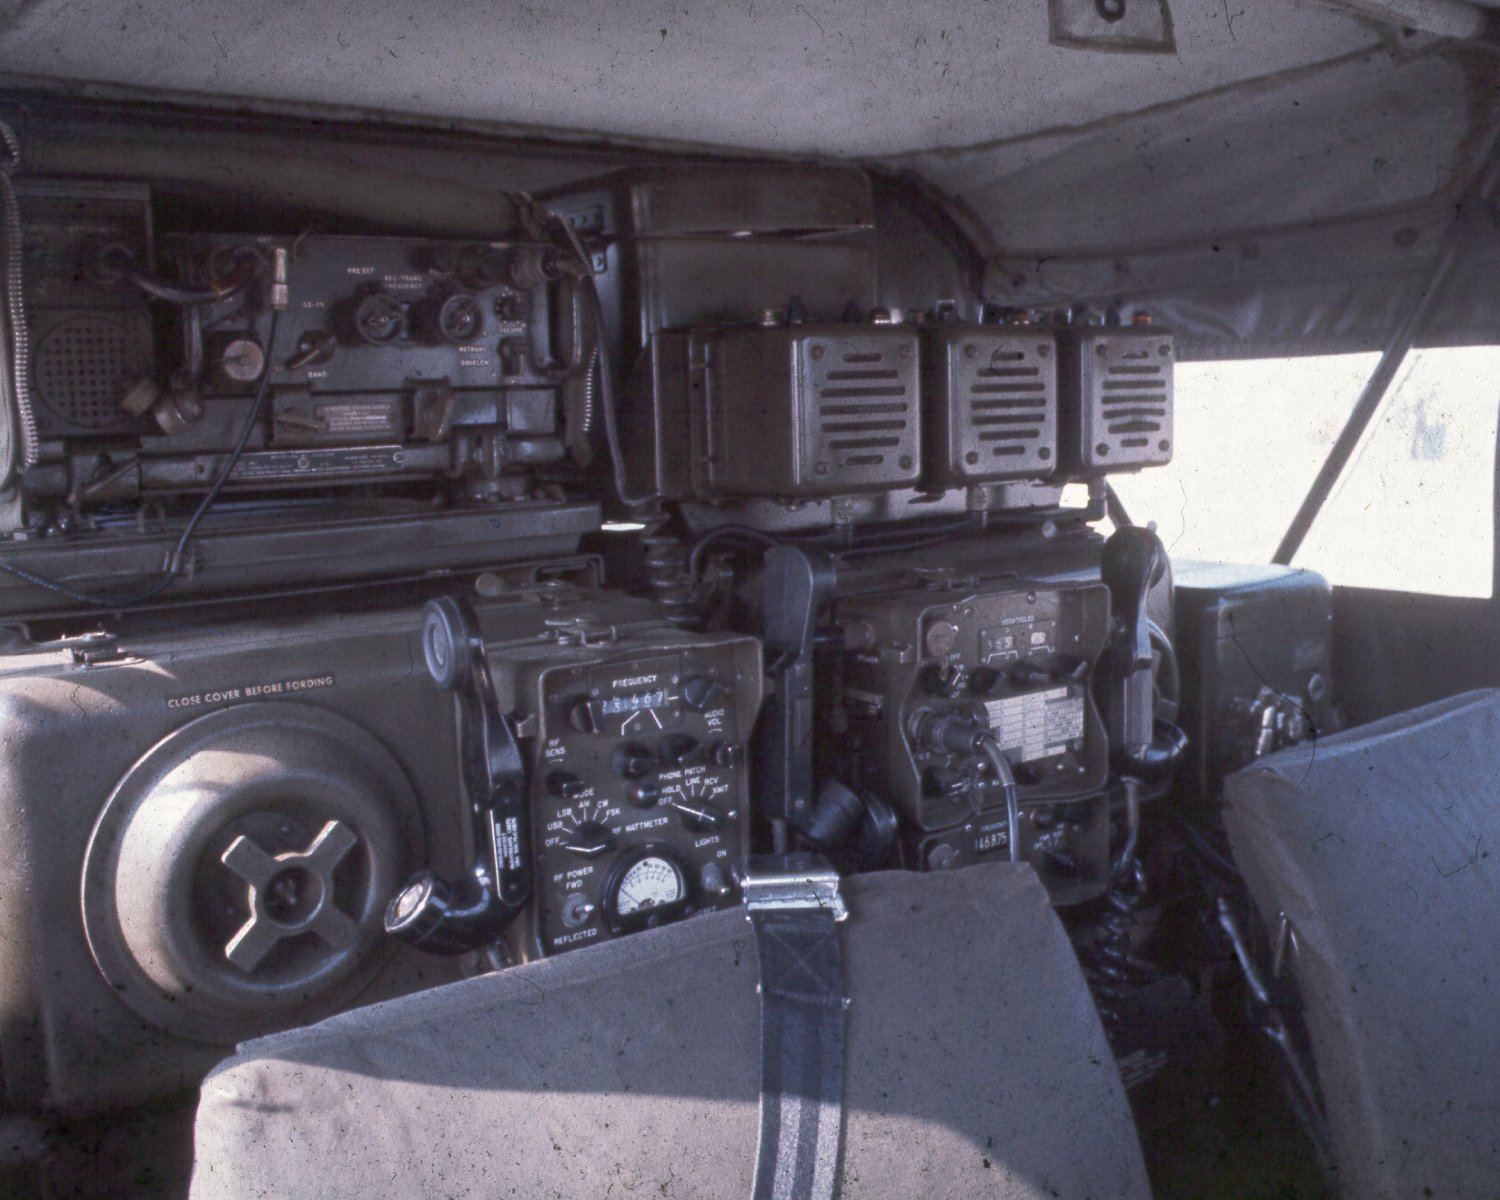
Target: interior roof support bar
x,y
1392,355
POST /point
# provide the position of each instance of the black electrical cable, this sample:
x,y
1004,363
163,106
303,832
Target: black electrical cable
x,y
880,541
1206,849
991,748
18,380
183,297
248,266
728,533
175,561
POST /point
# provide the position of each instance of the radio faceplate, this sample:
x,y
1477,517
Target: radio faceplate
x,y
1012,659
639,794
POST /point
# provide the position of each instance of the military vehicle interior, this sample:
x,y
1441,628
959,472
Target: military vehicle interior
x,y
492,496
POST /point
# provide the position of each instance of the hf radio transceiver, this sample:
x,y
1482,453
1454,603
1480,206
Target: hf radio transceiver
x,y
631,789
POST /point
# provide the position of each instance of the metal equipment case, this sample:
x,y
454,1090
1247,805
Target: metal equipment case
x,y
1255,645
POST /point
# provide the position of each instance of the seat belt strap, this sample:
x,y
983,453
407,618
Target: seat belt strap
x,y
794,906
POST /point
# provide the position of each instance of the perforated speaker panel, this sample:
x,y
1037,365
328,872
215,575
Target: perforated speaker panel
x,y
83,364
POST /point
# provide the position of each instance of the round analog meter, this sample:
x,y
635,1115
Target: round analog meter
x,y
647,887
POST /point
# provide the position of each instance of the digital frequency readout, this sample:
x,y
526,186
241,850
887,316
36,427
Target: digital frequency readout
x,y
633,702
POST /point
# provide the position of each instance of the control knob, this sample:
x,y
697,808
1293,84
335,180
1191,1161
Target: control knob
x,y
565,785
632,760
683,750
590,839
699,692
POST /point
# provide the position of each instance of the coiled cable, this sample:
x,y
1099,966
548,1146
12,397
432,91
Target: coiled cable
x,y
15,305
666,561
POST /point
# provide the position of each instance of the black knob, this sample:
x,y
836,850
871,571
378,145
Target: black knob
x,y
715,883
379,319
699,816
700,691
683,750
944,781
460,319
581,717
565,784
632,760
982,680
947,679
1028,673
645,795
513,355
511,308
590,839
727,754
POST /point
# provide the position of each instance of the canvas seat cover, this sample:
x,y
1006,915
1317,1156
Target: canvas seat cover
x,y
976,1067
1379,844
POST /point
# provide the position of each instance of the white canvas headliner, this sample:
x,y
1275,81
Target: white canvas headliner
x,y
1075,171
871,78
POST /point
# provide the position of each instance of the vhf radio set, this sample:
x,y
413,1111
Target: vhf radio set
x,y
339,401
454,744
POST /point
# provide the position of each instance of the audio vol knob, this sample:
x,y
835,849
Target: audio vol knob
x,y
700,691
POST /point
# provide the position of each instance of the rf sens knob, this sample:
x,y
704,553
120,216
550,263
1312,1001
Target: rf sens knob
x,y
565,785
581,717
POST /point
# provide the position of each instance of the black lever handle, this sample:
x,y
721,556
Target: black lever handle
x,y
452,918
1141,747
798,585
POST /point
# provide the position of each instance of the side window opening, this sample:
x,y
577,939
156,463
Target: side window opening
x,y
1414,509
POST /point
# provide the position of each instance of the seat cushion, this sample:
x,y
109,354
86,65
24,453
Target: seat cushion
x,y
976,1066
1380,846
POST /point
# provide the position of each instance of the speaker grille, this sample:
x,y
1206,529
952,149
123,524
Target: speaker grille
x,y
865,392
82,367
1126,402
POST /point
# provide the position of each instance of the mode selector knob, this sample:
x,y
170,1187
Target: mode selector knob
x,y
590,839
701,691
